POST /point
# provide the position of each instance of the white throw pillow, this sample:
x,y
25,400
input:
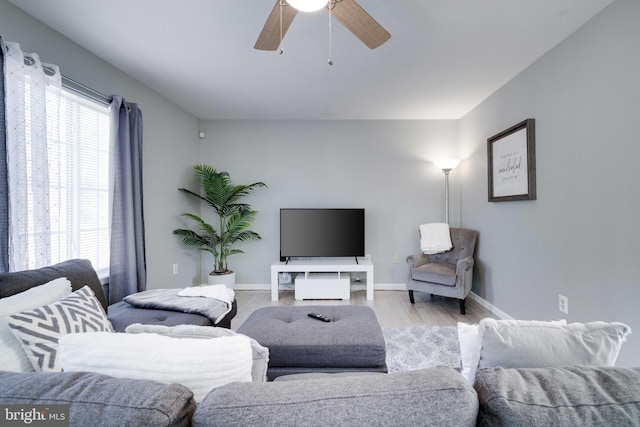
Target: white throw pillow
x,y
260,354
470,341
196,363
40,329
12,357
540,345
470,345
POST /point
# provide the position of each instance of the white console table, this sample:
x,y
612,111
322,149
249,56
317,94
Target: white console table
x,y
321,266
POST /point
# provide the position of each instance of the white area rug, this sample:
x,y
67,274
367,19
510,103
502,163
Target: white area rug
x,y
419,347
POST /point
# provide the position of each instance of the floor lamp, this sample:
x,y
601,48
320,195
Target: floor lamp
x,y
446,165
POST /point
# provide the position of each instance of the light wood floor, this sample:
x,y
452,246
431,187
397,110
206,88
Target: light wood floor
x,y
392,308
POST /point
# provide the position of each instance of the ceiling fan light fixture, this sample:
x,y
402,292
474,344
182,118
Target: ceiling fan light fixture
x,y
308,5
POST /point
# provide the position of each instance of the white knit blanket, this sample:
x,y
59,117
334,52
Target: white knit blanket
x,y
435,238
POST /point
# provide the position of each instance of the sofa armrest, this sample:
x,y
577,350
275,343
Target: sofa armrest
x,y
101,400
78,271
417,260
576,396
465,264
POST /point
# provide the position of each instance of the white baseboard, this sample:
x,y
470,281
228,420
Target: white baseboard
x,y
486,304
390,287
252,287
378,287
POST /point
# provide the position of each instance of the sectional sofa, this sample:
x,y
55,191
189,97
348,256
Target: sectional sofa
x,y
575,395
80,273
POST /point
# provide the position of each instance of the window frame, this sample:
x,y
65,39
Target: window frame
x,y
89,98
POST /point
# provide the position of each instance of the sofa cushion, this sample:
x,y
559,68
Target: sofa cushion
x,y
78,271
259,353
512,344
571,396
317,375
100,400
198,364
12,356
442,274
122,314
437,396
40,329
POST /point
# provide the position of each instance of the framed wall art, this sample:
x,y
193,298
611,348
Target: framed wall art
x,y
511,159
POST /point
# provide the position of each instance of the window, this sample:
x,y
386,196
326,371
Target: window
x,y
57,145
79,182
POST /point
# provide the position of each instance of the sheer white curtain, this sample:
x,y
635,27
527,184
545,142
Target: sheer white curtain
x,y
32,93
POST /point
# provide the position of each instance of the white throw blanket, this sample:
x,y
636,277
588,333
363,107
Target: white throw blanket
x,y
219,292
435,238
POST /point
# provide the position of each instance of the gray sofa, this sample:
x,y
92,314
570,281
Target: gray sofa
x,y
80,273
571,396
436,396
577,396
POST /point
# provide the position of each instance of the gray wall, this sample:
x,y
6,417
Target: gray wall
x,y
383,166
171,143
581,238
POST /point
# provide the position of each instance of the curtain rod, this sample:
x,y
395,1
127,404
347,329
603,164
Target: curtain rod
x,y
85,91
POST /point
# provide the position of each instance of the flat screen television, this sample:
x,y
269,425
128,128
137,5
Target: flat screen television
x,y
321,233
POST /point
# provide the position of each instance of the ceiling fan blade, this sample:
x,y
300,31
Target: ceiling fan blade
x,y
360,23
269,38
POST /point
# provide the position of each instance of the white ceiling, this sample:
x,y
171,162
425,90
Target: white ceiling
x,y
444,56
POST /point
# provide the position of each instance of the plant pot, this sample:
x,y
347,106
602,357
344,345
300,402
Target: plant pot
x,y
223,279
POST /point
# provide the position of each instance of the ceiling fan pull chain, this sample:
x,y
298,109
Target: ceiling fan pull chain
x,y
281,6
330,61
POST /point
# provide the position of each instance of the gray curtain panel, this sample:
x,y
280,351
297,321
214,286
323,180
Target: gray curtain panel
x,y
128,269
4,189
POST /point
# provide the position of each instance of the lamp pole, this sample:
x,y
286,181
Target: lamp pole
x,y
446,194
446,165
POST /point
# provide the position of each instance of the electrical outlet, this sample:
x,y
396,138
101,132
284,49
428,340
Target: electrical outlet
x,y
396,259
563,304
175,268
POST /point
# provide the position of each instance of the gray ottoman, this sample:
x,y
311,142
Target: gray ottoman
x,y
352,341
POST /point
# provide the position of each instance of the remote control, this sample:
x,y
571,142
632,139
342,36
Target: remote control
x,y
319,317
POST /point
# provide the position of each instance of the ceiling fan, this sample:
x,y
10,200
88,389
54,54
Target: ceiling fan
x,y
348,12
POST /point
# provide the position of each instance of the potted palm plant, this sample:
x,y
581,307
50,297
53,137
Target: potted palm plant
x,y
234,220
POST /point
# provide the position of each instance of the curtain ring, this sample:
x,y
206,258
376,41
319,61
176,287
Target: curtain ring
x,y
49,71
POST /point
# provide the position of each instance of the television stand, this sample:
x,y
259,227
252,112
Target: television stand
x,y
321,266
286,261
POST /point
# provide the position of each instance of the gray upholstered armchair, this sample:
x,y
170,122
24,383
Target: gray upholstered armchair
x,y
447,274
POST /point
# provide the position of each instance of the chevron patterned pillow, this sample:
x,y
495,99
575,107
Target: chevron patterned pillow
x,y
12,356
39,330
